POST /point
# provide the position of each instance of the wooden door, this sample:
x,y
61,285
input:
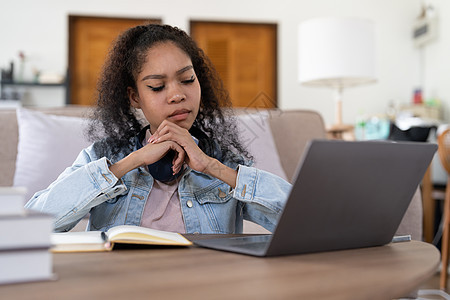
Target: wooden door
x,y
89,41
245,56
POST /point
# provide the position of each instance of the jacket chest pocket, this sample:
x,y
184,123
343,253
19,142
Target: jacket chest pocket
x,y
218,194
219,207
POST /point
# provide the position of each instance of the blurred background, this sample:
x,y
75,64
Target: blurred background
x,y
53,42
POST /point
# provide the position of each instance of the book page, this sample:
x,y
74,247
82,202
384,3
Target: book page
x,y
79,241
143,235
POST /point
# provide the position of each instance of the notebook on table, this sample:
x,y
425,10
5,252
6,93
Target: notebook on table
x,y
345,195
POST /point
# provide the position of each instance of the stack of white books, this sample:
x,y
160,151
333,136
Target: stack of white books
x,y
24,240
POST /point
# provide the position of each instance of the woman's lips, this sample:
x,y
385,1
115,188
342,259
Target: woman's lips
x,y
179,115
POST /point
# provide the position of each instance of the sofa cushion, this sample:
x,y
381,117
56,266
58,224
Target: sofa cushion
x,y
292,130
47,145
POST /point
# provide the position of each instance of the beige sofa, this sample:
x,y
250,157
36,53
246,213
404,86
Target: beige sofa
x,y
290,130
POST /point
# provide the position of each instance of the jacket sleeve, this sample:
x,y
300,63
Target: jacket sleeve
x,y
86,184
264,195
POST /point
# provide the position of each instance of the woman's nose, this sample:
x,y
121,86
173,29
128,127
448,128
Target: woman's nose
x,y
175,98
175,94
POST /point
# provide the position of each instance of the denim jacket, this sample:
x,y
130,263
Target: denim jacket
x,y
207,204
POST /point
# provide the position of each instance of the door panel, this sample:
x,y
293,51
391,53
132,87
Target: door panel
x,y
245,58
89,41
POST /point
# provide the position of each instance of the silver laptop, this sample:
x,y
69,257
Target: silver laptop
x,y
345,195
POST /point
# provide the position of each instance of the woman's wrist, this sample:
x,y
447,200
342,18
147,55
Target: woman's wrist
x,y
220,171
125,165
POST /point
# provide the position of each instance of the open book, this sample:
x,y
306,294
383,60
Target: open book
x,y
104,241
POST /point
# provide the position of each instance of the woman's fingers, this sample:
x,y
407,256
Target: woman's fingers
x,y
178,160
192,155
169,131
163,128
153,152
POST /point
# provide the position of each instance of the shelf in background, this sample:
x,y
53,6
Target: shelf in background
x,y
30,83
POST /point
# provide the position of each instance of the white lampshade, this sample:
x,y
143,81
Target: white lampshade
x,y
336,52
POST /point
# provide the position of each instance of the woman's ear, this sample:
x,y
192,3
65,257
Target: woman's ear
x,y
134,97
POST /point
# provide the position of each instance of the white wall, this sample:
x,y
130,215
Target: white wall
x,y
436,59
40,29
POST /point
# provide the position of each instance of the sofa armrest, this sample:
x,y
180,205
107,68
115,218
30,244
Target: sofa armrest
x,y
8,151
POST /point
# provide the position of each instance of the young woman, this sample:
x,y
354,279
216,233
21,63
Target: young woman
x,y
185,171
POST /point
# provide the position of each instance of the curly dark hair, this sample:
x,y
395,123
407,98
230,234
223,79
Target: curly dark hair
x,y
114,117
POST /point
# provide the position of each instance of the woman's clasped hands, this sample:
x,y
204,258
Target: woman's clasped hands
x,y
180,140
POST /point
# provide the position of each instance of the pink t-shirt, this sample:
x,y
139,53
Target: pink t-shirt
x,y
162,210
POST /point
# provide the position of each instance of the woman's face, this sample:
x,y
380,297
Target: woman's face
x,y
167,87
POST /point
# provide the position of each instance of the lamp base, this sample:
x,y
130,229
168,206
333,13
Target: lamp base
x,y
337,131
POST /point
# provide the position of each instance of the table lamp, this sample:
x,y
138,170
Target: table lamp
x,y
337,53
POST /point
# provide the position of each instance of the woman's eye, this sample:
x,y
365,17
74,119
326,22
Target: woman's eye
x,y
190,80
156,88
